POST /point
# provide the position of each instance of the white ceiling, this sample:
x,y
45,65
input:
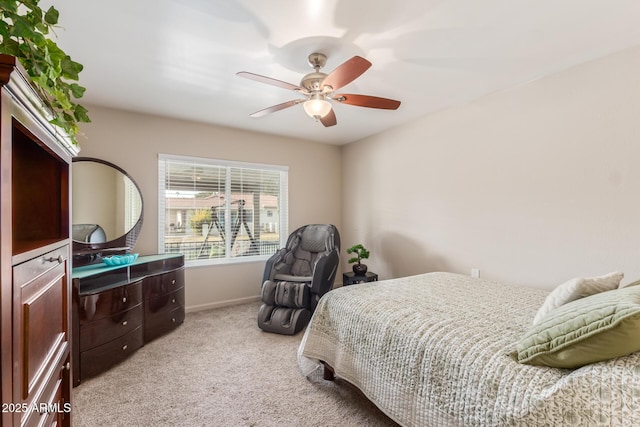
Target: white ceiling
x,y
178,58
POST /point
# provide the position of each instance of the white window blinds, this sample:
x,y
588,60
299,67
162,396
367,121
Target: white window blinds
x,y
132,204
216,211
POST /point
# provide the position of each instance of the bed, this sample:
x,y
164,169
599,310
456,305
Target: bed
x,y
437,349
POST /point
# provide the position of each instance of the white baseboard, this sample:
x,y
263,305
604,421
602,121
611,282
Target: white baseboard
x,y
201,307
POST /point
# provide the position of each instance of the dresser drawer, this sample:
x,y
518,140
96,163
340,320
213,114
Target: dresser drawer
x,y
163,322
162,284
101,331
101,358
51,407
30,270
163,303
108,303
50,404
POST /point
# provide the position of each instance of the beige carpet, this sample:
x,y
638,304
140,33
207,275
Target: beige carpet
x,y
219,369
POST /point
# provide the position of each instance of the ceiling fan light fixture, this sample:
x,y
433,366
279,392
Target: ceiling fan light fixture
x,y
317,108
319,87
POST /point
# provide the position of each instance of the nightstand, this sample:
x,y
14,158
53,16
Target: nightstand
x,y
350,278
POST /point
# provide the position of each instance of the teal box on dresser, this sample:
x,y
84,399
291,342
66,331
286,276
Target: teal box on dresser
x,y
117,309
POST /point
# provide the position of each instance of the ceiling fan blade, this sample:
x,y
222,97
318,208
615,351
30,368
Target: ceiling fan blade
x,y
267,80
329,119
275,108
367,101
347,72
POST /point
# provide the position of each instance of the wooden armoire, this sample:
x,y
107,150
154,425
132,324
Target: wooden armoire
x,y
35,299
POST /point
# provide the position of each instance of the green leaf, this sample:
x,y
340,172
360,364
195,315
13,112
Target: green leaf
x,y
67,117
30,3
81,114
27,53
41,80
58,121
70,69
57,54
77,91
52,15
62,100
35,15
11,6
10,47
42,28
38,39
4,29
35,19
22,28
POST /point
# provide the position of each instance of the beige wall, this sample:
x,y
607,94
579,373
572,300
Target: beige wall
x,y
532,186
133,141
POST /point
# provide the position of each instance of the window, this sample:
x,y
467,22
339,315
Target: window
x,y
217,211
132,204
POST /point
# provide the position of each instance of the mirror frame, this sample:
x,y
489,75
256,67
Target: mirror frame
x,y
121,244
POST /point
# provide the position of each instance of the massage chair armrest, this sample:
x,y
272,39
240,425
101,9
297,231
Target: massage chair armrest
x,y
272,264
324,273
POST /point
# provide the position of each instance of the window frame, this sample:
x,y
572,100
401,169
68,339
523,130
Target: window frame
x,y
283,219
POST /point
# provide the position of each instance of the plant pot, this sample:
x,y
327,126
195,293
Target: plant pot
x,y
359,269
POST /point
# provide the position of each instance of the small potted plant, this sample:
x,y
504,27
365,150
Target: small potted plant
x,y
361,253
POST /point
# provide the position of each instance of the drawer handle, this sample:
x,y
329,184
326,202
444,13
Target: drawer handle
x,y
124,323
173,282
124,299
60,259
66,366
173,319
124,347
173,300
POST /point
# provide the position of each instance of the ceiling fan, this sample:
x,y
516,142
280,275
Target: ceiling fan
x,y
318,88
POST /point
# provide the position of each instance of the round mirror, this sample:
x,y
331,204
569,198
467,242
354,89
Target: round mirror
x,y
106,206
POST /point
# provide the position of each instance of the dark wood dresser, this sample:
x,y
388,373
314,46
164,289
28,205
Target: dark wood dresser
x,y
116,310
35,297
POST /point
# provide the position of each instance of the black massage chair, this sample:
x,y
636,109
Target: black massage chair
x,y
297,276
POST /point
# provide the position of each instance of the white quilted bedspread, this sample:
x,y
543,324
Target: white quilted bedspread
x,y
433,350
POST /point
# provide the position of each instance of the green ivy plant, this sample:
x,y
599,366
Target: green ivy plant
x,y
23,33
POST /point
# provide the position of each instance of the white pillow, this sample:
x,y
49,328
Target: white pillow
x,y
577,288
